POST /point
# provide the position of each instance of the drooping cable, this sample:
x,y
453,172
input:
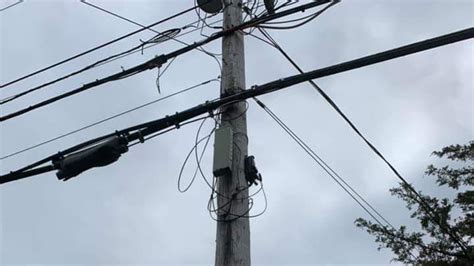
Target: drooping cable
x,y
159,60
305,19
447,230
143,26
95,48
144,129
108,118
361,201
161,37
11,5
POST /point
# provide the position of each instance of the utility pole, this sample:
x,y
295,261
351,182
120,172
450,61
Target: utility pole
x,y
233,232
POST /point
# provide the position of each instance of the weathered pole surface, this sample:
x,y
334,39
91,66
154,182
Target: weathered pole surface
x,y
233,232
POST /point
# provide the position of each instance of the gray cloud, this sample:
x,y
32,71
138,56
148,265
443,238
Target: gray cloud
x,y
132,213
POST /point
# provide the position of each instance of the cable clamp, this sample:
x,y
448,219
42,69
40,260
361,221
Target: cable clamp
x,y
177,123
140,137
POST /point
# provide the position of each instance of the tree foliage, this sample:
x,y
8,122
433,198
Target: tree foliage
x,y
432,245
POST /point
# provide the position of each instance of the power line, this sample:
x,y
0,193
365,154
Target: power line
x,y
165,36
340,181
158,61
361,201
419,199
161,37
329,170
304,20
12,5
95,48
137,132
141,25
107,119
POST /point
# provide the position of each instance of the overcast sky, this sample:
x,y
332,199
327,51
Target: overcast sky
x,y
132,213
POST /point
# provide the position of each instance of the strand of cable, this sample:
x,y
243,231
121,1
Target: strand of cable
x,y
214,193
448,230
156,40
305,19
161,73
257,90
11,5
203,20
159,60
198,158
110,118
239,189
95,48
150,29
361,201
154,44
161,37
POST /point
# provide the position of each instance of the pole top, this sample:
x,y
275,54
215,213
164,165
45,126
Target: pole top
x,y
210,6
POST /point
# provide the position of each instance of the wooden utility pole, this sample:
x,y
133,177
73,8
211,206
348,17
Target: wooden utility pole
x,y
233,232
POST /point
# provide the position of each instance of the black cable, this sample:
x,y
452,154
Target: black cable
x,y
311,17
96,48
143,26
12,5
257,90
214,192
161,73
419,199
159,60
108,118
156,40
168,130
154,44
207,138
329,170
161,37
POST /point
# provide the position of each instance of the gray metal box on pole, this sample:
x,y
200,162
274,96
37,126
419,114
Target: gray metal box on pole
x,y
222,151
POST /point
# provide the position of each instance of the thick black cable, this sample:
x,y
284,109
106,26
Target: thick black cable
x,y
96,48
167,130
162,123
163,35
159,60
107,119
419,199
136,49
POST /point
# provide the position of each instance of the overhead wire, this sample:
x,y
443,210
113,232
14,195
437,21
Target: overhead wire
x,y
96,48
167,130
159,60
150,29
161,37
448,230
145,47
212,209
11,5
108,118
359,199
305,19
156,125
